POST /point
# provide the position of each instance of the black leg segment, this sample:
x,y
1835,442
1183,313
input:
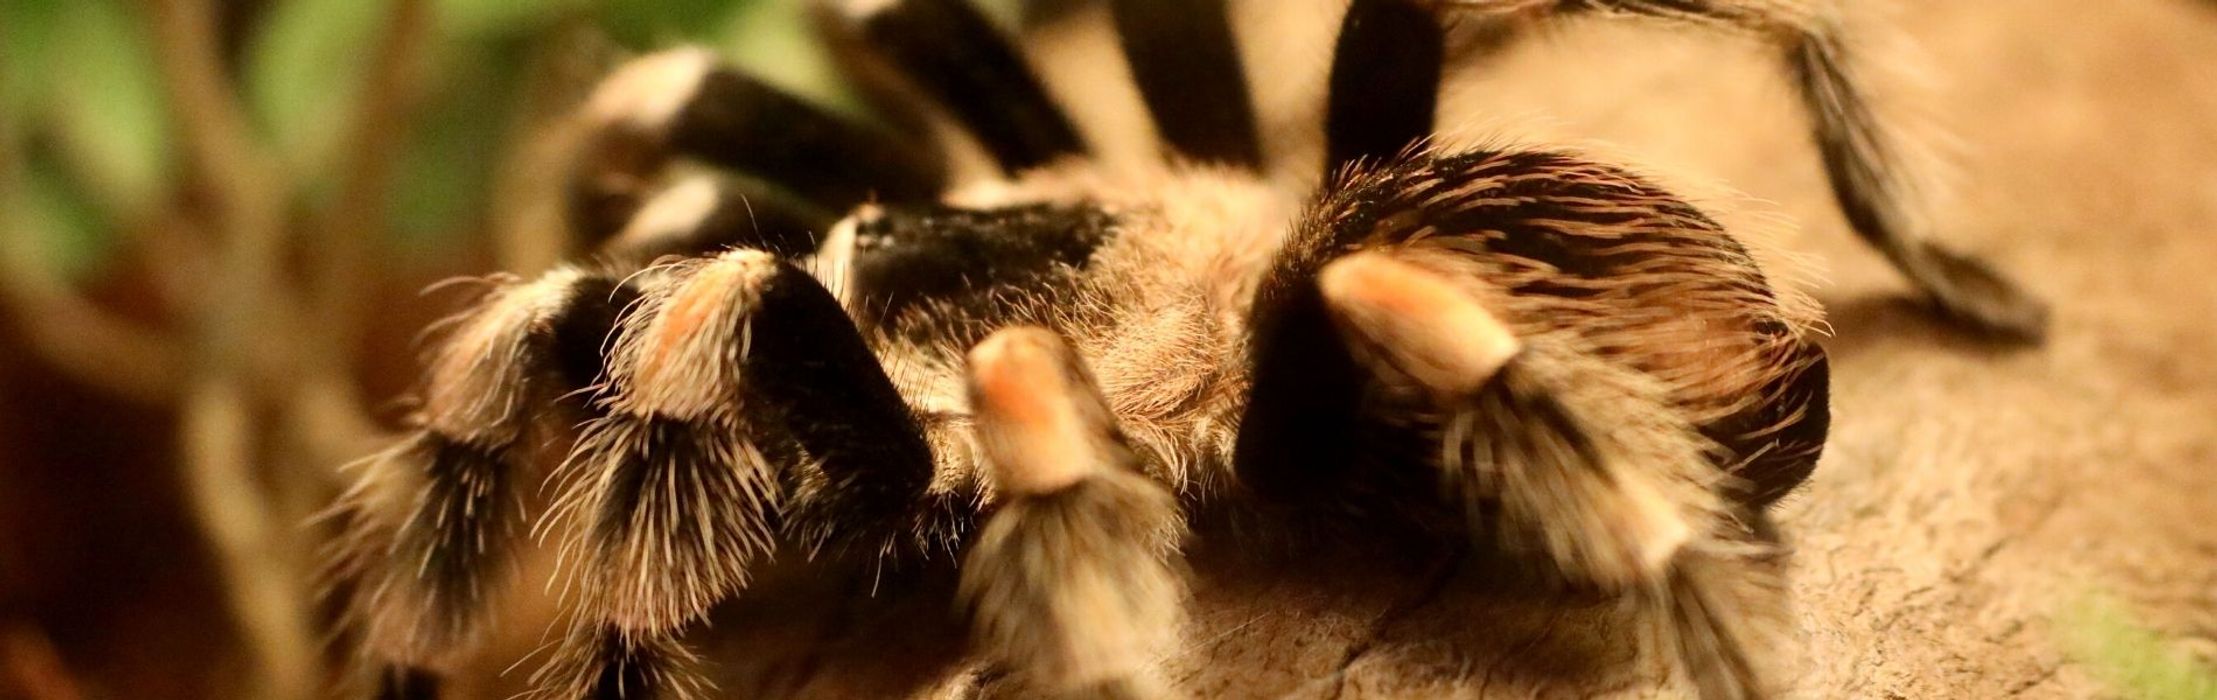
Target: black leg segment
x,y
957,56
809,369
682,104
750,126
1186,62
914,259
407,684
742,401
1299,441
1384,85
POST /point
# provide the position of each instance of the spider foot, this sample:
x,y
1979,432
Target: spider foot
x,y
1972,292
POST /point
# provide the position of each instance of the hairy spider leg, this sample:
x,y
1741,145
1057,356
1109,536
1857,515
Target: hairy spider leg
x,y
1778,441
1506,334
1860,158
1186,62
1576,458
604,662
1070,581
432,521
683,103
955,55
742,407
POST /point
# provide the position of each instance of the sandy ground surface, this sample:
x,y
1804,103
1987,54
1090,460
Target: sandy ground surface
x,y
1972,497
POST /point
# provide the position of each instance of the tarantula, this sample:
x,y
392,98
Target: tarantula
x,y
1037,379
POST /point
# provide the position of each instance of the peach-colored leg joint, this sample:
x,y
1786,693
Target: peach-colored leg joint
x,y
1418,320
1040,420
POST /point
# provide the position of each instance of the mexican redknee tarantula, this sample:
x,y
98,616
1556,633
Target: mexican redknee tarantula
x,y
1037,379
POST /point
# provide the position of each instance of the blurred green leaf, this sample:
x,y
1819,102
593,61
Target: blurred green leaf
x,y
303,68
27,32
480,19
64,232
772,40
2134,661
82,94
446,173
650,24
112,119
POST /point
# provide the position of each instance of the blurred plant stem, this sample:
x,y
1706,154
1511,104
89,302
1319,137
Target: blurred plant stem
x,y
258,161
255,328
261,573
343,252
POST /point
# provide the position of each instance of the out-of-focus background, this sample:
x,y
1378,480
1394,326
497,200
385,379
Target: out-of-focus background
x,y
217,217
215,220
